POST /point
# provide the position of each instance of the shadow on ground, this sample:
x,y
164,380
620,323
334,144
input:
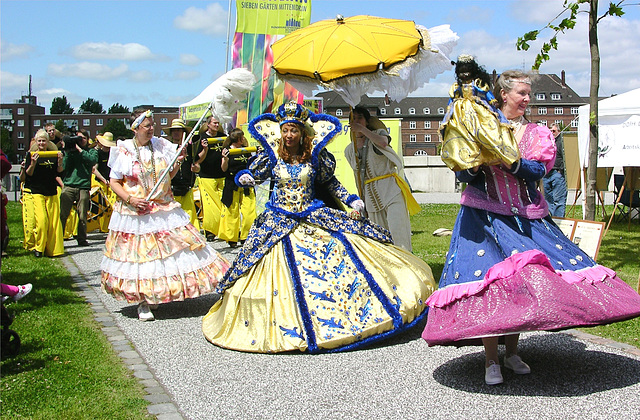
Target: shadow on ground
x,y
561,366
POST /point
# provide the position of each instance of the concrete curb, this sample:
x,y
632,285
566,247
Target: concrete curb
x,y
161,405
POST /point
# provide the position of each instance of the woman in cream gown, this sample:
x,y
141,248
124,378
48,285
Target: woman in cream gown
x,y
310,277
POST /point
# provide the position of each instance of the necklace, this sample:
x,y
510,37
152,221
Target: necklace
x,y
517,123
153,165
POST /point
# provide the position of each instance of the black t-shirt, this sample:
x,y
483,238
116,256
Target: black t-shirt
x,y
184,179
211,166
103,168
43,180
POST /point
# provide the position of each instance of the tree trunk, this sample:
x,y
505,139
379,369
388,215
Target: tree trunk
x,y
590,204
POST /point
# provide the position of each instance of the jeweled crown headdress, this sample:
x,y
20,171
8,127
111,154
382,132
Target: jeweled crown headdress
x,y
292,113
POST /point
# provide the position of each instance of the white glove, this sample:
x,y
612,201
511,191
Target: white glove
x,y
358,205
246,179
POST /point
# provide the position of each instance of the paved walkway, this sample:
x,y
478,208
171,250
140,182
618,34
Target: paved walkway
x,y
575,375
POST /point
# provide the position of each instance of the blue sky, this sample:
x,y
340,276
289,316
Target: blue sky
x,y
166,52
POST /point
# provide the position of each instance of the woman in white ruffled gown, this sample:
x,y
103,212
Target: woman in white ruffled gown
x,y
153,254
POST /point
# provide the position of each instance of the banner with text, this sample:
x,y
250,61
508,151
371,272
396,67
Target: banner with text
x,y
259,24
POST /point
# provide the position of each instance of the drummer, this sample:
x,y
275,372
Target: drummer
x,y
182,182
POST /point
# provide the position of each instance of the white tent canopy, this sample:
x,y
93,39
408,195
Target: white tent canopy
x,y
618,131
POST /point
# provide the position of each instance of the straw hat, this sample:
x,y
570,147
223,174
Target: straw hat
x,y
106,140
177,123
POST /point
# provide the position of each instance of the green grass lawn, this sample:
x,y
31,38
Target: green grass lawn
x,y
619,250
66,368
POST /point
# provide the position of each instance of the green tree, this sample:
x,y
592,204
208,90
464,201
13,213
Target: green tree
x,y
5,143
118,109
572,8
60,105
117,128
61,127
92,106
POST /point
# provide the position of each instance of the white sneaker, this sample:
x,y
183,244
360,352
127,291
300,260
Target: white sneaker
x,y
144,313
516,364
492,375
23,290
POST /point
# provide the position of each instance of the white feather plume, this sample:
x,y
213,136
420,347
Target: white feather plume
x,y
226,93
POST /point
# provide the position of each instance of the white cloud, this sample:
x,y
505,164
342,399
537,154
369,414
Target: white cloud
x,y
113,51
190,59
11,80
86,70
537,11
142,76
9,51
209,21
187,75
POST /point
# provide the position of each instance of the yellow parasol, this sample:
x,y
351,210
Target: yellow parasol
x,y
363,54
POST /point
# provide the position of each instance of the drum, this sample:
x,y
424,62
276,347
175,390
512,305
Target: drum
x,y
99,210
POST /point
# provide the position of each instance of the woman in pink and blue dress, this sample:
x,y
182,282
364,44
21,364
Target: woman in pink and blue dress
x,y
153,254
509,268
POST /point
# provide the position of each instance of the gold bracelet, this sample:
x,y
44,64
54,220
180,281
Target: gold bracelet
x,y
129,199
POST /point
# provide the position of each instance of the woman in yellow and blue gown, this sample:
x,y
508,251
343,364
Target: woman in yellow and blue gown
x,y
309,277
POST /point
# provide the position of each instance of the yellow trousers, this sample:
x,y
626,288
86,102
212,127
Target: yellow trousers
x,y
28,220
189,206
236,220
48,228
210,197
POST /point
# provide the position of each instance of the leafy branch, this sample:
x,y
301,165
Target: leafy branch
x,y
566,23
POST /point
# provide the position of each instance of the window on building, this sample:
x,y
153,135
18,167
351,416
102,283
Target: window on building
x,y
574,123
164,121
556,97
440,110
99,121
427,138
338,112
426,110
396,111
20,111
574,110
542,122
36,123
20,134
542,110
412,125
86,122
420,153
20,146
427,124
20,123
558,110
559,122
71,123
440,124
540,96
412,111
383,111
412,138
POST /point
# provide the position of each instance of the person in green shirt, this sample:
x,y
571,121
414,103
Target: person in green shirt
x,y
78,164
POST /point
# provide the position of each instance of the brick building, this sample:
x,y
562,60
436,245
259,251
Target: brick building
x,y
552,101
24,118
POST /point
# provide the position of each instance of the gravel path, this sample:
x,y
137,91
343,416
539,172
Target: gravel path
x,y
574,375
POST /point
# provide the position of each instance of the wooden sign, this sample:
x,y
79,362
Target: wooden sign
x,y
586,234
